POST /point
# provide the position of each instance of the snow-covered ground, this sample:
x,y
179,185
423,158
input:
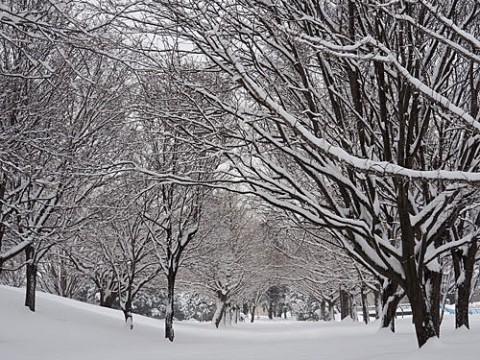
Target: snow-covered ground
x,y
67,330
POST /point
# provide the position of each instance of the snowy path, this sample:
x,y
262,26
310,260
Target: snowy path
x,y
68,330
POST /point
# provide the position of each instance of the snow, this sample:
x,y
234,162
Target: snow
x,y
65,329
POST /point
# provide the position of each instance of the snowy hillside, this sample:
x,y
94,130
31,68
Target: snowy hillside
x,y
68,330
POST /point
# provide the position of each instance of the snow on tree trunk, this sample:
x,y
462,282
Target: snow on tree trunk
x,y
433,286
220,310
217,316
420,288
424,300
31,279
463,264
422,319
391,296
169,332
353,308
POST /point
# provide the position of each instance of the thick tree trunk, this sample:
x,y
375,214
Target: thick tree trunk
x,y
391,297
433,281
461,305
424,316
423,319
31,279
169,332
464,265
425,300
221,308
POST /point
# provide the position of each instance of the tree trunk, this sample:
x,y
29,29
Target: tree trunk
x,y
365,313
221,307
461,305
220,313
433,287
391,297
464,265
323,310
31,279
331,310
378,303
353,308
345,310
252,313
270,310
127,312
236,310
169,332
279,311
107,298
423,319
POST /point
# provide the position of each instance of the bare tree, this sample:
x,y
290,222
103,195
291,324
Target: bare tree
x,y
53,127
351,113
173,139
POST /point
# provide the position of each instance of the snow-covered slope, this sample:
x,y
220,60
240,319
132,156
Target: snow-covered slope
x,y
68,330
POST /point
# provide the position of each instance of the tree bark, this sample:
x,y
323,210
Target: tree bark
x,y
127,312
345,310
270,310
391,297
365,313
378,303
252,313
323,310
353,308
236,309
220,312
169,331
31,279
423,319
107,298
331,310
461,305
464,265
433,281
